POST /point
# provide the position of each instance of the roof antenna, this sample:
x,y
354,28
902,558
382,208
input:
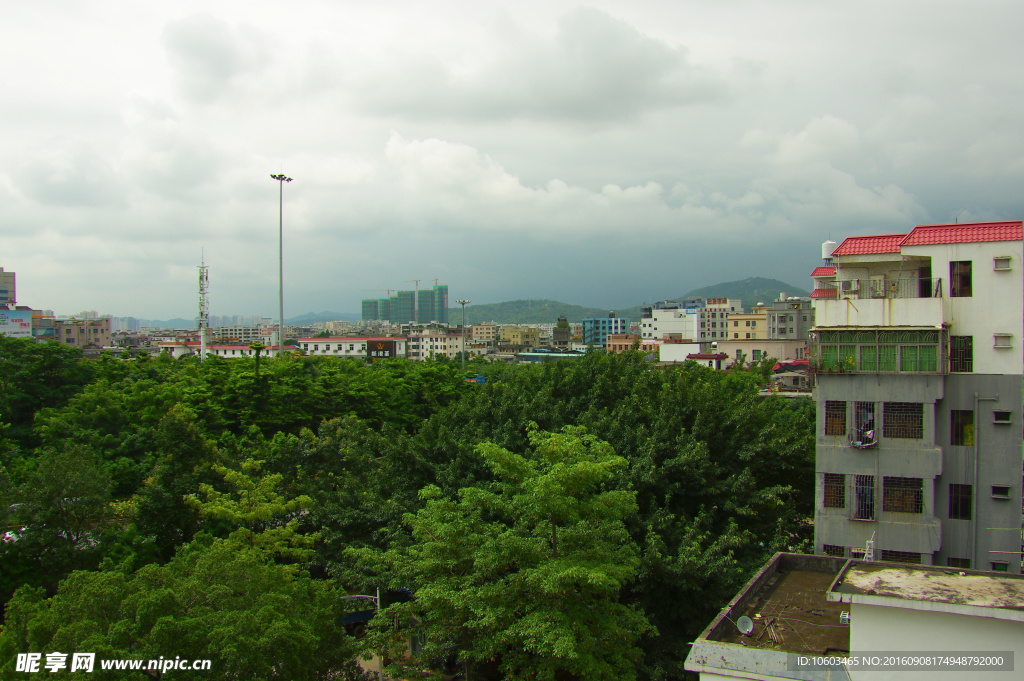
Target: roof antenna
x,y
958,216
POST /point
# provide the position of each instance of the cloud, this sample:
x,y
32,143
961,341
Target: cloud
x,y
208,56
69,173
594,67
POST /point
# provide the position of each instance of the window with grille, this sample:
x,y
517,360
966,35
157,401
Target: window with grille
x,y
833,550
864,420
961,427
856,553
961,353
901,557
835,490
1000,566
902,495
864,508
903,420
959,563
835,417
960,502
960,279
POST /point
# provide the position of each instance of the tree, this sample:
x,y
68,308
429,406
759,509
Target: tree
x,y
217,600
521,579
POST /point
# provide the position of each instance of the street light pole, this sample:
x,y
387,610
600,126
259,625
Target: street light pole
x,y
463,303
281,179
376,603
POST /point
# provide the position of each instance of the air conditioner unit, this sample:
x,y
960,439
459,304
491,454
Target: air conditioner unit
x,y
851,285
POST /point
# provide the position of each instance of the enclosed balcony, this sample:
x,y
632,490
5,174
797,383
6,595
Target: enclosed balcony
x,y
860,350
879,301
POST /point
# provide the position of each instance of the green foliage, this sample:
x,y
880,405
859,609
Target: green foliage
x,y
217,599
522,576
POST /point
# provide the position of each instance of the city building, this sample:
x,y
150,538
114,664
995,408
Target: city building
x,y
527,337
371,309
791,318
799,609
756,350
485,331
596,329
561,335
430,345
83,333
244,334
360,347
714,323
16,322
666,318
8,290
42,324
751,325
916,353
617,343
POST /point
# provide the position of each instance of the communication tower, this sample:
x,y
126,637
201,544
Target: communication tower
x,y
204,307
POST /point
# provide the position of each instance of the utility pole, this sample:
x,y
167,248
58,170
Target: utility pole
x,y
281,179
463,303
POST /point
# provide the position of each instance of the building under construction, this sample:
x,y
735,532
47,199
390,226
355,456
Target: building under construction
x,y
428,305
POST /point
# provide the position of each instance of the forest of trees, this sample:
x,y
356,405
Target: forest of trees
x,y
583,519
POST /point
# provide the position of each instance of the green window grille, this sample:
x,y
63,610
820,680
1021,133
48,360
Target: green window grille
x,y
848,357
887,358
869,358
908,358
929,358
830,356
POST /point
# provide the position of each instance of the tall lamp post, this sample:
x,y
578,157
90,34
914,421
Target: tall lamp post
x,y
281,179
463,303
376,603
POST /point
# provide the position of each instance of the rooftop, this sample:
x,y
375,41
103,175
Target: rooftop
x,y
862,245
972,232
823,271
925,587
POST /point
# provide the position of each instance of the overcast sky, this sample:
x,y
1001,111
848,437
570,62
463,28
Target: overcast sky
x,y
605,154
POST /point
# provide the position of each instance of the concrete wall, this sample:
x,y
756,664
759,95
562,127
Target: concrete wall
x,y
995,305
878,628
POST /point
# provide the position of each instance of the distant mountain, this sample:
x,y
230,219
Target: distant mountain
x,y
311,317
530,312
751,291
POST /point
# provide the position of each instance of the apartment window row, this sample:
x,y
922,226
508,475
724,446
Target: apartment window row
x,y
881,351
899,419
899,494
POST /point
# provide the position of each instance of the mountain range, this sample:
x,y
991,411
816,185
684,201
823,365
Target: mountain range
x,y
751,291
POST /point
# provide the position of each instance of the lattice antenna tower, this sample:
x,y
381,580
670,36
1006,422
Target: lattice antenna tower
x,y
204,306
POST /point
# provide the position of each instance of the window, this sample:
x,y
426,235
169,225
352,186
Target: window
x,y
748,335
735,335
833,550
805,318
959,563
757,355
961,427
791,329
748,322
1000,566
960,502
835,490
901,557
1001,263
856,553
1002,340
735,323
835,418
903,420
865,498
960,279
1001,417
1000,491
864,421
902,495
961,353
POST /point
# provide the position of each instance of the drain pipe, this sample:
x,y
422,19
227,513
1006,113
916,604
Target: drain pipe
x,y
977,490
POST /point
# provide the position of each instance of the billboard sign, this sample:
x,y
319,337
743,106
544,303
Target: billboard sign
x,y
380,349
16,323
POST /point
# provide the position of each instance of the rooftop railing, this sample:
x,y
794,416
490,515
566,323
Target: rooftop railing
x,y
907,287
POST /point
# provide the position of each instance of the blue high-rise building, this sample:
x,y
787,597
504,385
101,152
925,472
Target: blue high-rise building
x,y
596,329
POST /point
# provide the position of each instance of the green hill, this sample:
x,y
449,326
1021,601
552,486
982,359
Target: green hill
x,y
751,291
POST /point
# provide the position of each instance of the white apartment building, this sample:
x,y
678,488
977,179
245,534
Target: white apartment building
x,y
682,323
916,352
428,345
358,347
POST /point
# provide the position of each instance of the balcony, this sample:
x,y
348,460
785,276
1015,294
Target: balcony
x,y
879,351
880,302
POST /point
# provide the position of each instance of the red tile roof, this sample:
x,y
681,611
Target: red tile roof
x,y
824,271
878,243
972,232
823,293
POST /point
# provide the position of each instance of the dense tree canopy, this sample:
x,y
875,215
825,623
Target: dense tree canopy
x,y
647,495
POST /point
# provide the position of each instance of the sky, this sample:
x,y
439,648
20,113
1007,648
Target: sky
x,y
603,154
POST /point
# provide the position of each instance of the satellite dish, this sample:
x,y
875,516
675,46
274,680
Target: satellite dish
x,y
745,625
